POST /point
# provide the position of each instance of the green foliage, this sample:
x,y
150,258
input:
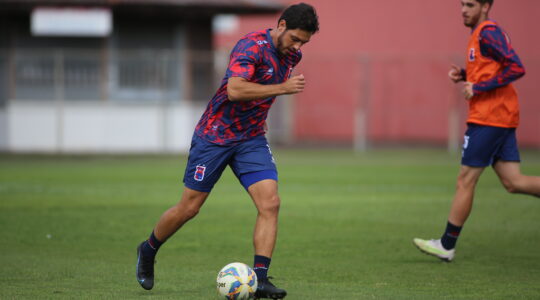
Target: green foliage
x,y
70,227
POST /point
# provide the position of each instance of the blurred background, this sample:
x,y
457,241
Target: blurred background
x,y
117,76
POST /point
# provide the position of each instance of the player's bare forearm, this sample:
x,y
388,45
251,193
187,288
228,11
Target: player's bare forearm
x,y
239,89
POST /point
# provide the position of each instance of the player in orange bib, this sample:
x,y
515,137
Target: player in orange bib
x,y
492,66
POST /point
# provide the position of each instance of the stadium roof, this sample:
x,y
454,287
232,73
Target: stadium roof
x,y
171,6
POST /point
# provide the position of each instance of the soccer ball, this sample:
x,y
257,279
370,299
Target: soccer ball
x,y
236,281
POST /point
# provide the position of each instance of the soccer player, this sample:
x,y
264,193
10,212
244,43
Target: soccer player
x,y
490,139
231,132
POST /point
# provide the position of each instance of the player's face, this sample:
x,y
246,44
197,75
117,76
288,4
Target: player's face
x,y
473,12
291,40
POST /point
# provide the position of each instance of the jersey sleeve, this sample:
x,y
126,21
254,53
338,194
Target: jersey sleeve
x,y
244,58
494,44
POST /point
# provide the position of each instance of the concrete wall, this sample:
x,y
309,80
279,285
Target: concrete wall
x,y
3,130
101,128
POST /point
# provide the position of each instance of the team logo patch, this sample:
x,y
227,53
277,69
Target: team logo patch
x,y
472,54
199,173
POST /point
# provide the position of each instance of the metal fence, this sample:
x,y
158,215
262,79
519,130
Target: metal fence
x,y
73,75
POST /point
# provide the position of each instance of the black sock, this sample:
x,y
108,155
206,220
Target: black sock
x,y
151,246
450,236
260,266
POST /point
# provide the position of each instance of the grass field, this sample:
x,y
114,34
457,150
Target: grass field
x,y
70,226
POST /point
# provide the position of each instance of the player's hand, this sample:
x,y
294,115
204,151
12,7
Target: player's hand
x,y
294,84
468,91
455,74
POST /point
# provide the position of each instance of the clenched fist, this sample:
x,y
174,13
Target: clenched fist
x,y
294,84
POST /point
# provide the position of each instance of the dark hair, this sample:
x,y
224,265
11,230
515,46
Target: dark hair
x,y
301,16
490,2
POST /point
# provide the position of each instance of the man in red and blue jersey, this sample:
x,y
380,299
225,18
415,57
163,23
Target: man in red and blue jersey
x,y
231,132
492,66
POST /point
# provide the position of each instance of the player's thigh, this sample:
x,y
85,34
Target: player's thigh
x,y
265,195
469,175
206,163
508,171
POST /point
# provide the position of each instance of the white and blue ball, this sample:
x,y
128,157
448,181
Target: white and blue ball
x,y
236,281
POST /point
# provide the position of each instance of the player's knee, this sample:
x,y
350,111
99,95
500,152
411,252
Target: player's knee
x,y
465,183
191,212
186,211
190,205
270,205
510,185
512,190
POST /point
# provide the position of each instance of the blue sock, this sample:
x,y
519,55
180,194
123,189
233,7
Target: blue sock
x,y
260,266
450,236
151,246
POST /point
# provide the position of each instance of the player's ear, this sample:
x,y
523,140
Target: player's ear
x,y
485,8
282,25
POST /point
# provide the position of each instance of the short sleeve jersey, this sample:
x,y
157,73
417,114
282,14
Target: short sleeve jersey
x,y
256,59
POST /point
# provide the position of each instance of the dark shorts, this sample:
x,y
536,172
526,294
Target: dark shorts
x,y
251,161
485,145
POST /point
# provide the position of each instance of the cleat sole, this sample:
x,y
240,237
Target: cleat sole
x,y
431,254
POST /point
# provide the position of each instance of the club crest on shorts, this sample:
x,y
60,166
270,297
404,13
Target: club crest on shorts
x,y
199,173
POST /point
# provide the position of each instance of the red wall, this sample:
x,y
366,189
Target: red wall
x,y
390,58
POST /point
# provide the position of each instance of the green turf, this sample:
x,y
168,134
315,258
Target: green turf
x,y
70,226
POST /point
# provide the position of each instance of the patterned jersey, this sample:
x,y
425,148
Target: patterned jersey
x,y
256,59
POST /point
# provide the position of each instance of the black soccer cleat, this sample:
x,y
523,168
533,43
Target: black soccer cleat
x,y
265,289
145,270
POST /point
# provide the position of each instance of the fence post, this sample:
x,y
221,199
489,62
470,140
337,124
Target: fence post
x,y
59,95
453,125
453,116
360,140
